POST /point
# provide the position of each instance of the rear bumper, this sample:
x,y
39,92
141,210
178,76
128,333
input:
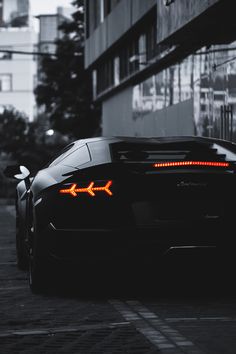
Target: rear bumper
x,y
115,245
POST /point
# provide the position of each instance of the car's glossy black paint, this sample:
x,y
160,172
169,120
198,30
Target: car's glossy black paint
x,y
150,212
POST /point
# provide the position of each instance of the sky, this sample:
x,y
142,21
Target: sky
x,y
40,7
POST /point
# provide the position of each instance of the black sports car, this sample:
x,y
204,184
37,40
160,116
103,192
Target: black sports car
x,y
112,198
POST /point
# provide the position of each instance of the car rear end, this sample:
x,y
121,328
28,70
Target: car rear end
x,y
153,196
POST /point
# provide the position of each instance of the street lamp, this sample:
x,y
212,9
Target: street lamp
x,y
49,132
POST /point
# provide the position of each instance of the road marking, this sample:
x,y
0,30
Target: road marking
x,y
52,331
154,328
179,319
153,335
173,334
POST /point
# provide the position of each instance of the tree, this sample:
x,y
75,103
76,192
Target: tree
x,y
65,89
23,141
13,130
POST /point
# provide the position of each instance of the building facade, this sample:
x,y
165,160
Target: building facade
x,y
49,31
14,13
163,67
17,71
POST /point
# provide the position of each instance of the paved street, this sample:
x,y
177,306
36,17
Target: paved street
x,y
138,320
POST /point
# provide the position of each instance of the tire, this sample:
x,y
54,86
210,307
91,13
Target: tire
x,y
38,276
22,258
40,268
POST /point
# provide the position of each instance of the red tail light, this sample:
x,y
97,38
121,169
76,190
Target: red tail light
x,y
191,163
74,189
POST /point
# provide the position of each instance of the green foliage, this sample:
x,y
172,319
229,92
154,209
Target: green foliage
x,y
65,89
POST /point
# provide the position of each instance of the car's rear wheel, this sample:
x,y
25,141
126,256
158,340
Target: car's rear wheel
x,y
38,276
40,270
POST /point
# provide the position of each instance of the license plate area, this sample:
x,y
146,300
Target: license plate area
x,y
150,213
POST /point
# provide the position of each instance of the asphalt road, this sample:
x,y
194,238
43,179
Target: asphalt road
x,y
192,309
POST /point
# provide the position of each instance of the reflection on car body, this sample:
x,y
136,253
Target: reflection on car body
x,y
112,198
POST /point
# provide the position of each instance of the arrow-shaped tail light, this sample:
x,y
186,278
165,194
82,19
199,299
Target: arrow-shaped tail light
x,y
191,163
74,190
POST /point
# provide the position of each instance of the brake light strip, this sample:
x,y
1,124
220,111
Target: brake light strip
x,y
191,163
73,190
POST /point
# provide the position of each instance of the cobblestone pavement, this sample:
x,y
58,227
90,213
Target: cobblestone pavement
x,y
116,322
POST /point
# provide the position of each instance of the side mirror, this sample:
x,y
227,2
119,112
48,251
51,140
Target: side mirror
x,y
17,172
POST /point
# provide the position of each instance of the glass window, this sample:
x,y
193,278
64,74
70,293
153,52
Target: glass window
x,y
133,51
5,82
77,157
151,45
142,51
60,155
116,70
107,7
102,11
124,61
94,78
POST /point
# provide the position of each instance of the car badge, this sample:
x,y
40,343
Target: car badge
x,y
191,184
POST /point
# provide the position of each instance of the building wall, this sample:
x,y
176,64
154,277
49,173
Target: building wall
x,y
117,114
21,69
173,17
22,101
118,119
176,92
174,120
